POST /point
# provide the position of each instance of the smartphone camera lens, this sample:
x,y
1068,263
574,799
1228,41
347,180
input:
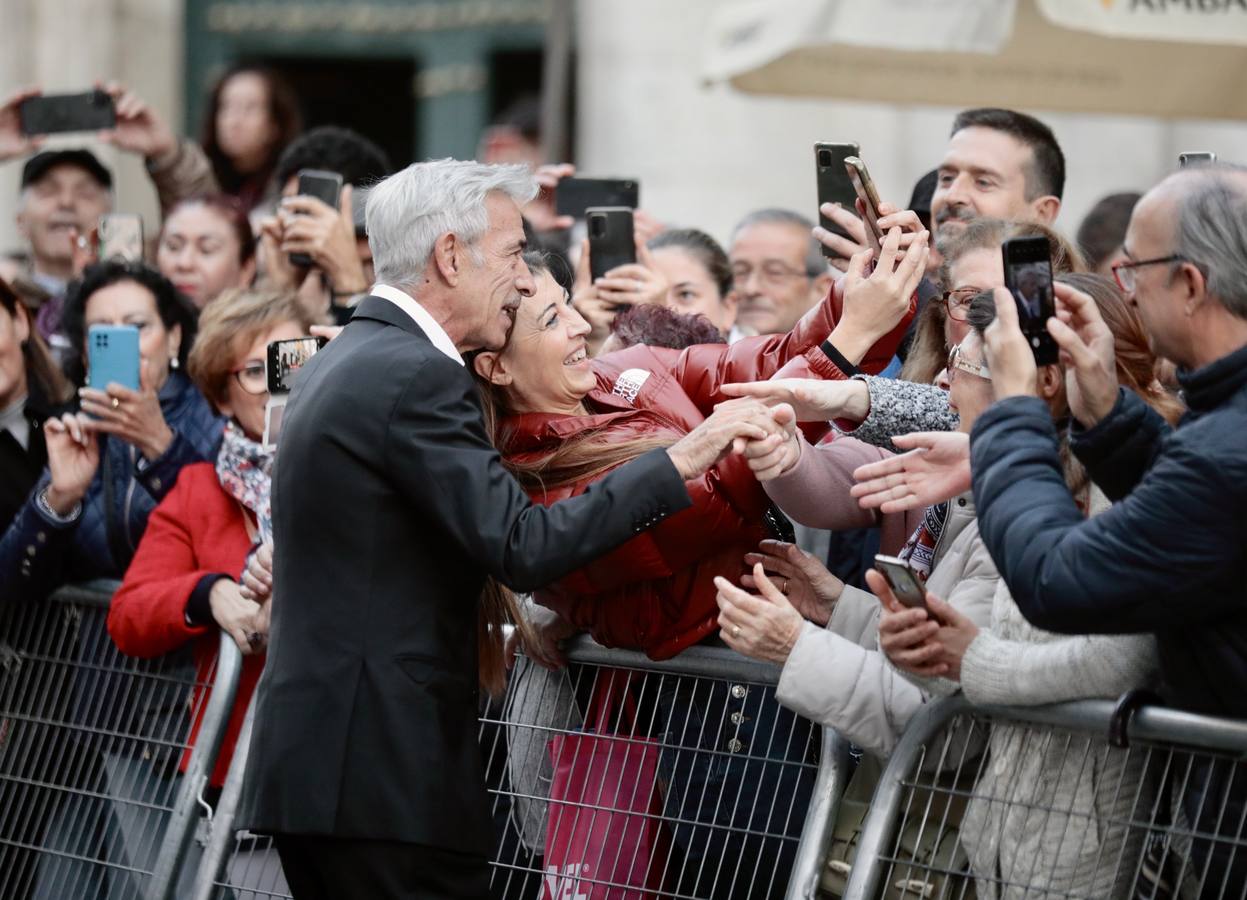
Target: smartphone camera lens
x,y
824,158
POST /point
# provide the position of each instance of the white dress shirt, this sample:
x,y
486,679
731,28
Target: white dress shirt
x,y
441,340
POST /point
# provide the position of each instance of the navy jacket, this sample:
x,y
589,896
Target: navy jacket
x,y
37,555
1167,558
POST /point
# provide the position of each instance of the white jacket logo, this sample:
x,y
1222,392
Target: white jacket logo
x,y
566,887
628,384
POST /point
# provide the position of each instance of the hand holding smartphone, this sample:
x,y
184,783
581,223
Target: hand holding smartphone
x,y
1028,276
903,581
121,237
325,187
864,189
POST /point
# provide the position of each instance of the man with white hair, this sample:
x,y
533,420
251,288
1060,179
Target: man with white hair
x,y
390,508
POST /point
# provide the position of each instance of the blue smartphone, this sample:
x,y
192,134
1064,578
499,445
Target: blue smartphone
x,y
113,356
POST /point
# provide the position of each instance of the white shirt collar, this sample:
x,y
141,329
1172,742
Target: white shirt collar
x,y
421,316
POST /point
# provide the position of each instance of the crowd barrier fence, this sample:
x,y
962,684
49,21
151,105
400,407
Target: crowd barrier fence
x,y
624,777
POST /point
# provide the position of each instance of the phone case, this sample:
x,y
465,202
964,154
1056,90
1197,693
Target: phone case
x,y
611,242
864,190
325,187
121,237
574,196
113,356
58,113
901,578
833,181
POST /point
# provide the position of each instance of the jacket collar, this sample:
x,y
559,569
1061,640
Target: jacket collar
x,y
534,431
1207,388
380,309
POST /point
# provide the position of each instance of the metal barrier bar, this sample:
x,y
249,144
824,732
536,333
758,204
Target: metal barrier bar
x,y
743,814
90,747
1053,809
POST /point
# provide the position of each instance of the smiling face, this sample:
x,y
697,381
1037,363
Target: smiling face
x,y
692,289
545,365
14,330
129,303
983,175
494,278
65,198
199,252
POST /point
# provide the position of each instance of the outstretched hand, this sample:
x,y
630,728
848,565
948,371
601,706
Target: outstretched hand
x,y
729,428
812,399
762,626
936,468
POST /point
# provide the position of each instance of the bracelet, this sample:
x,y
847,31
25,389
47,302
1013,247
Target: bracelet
x,y
41,501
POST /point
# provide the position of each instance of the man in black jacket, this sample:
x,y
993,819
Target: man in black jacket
x,y
1168,557
390,507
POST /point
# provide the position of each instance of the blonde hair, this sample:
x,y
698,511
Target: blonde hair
x,y
229,325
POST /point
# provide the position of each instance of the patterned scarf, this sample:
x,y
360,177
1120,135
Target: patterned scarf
x,y
245,470
919,551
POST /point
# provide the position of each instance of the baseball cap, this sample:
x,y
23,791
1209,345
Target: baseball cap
x,y
39,164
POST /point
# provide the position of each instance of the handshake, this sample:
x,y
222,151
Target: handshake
x,y
765,435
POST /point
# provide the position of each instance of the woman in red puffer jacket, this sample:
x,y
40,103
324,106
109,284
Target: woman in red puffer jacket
x,y
562,420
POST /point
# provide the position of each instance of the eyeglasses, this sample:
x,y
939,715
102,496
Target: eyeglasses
x,y
957,301
957,362
1123,271
252,378
773,273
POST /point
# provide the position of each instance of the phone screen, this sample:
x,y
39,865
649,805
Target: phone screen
x,y
1028,276
286,358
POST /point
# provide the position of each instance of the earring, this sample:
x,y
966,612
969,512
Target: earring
x,y
174,364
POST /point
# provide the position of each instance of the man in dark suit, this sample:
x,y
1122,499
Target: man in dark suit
x,y
390,507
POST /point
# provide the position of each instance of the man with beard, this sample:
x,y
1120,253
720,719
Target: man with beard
x,y
999,164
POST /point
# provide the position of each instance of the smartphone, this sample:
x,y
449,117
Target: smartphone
x,y
121,237
574,196
1028,276
864,189
113,356
611,241
833,182
55,113
286,358
1201,158
903,581
325,187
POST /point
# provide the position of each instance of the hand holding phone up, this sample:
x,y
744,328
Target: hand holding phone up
x,y
14,141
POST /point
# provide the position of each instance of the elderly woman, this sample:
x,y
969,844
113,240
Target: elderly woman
x,y
109,465
837,675
562,420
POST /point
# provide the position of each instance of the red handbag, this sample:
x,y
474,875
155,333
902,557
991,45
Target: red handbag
x,y
604,835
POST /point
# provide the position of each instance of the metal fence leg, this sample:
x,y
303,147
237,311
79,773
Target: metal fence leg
x,y
221,837
863,883
820,818
181,829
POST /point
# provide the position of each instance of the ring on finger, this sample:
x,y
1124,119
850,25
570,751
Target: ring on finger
x,y
116,402
735,631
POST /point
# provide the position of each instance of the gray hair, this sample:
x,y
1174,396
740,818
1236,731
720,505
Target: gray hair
x,y
408,211
815,262
1211,230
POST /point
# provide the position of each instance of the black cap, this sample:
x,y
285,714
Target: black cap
x,y
920,199
39,164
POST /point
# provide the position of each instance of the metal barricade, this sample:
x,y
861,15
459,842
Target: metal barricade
x,y
698,785
1090,799
92,803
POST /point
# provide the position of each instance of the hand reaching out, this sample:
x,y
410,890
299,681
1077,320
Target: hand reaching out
x,y
809,586
762,626
874,304
729,427
937,468
812,399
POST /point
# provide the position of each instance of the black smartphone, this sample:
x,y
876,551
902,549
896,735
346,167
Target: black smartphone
x,y
1028,276
611,241
903,581
121,237
574,196
1201,158
864,189
325,187
833,182
55,113
286,358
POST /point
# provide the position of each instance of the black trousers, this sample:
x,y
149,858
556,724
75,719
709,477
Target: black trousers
x,y
326,868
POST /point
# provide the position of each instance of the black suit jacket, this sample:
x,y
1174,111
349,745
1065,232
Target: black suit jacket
x,y
390,506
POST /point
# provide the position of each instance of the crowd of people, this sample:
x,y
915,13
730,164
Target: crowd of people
x,y
496,452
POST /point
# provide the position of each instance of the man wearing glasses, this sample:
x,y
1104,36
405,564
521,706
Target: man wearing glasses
x,y
1167,559
778,271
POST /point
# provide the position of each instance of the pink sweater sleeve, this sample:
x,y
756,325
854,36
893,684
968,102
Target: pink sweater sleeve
x,y
815,492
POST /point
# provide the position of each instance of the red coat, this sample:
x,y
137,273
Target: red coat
x,y
197,530
656,592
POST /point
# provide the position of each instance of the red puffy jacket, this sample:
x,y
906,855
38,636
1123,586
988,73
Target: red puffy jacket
x,y
655,592
197,530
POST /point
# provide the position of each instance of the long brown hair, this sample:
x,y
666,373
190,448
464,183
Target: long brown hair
x,y
927,353
41,368
283,109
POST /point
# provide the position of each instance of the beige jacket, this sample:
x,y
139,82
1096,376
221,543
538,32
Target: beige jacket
x,y
838,677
